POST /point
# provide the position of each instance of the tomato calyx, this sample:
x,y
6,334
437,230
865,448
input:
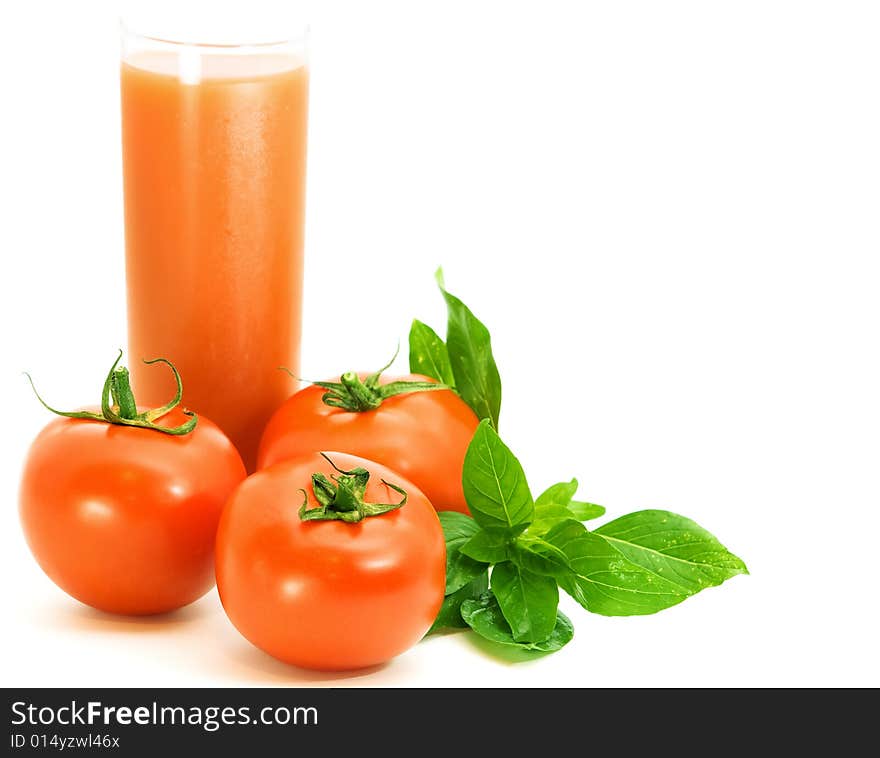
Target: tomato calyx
x,y
118,405
356,395
341,497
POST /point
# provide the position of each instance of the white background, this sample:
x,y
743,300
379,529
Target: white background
x,y
667,212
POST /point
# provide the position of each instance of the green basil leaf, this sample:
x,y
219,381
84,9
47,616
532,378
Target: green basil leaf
x,y
457,525
485,618
642,564
537,555
557,494
460,569
556,503
495,485
488,545
673,546
547,517
527,600
602,580
449,616
470,354
428,354
585,511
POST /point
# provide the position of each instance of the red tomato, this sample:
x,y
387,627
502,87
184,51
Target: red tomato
x,y
422,435
124,518
329,595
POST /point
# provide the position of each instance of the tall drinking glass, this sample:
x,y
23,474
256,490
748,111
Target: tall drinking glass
x,y
214,148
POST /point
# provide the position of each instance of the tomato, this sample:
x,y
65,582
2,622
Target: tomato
x,y
422,435
328,594
123,518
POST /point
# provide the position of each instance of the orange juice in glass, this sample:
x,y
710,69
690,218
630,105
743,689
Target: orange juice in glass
x,y
214,148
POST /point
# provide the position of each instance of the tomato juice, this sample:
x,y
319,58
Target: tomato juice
x,y
214,145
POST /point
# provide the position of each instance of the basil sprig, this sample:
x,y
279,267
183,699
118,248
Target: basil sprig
x,y
530,549
464,361
506,563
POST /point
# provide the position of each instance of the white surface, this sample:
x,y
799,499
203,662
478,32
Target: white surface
x,y
666,213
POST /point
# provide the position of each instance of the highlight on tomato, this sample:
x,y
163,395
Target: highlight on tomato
x,y
120,505
412,424
330,561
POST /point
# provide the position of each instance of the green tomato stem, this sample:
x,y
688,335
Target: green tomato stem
x,y
118,405
342,499
356,395
120,391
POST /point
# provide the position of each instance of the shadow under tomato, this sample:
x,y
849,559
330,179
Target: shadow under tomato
x,y
253,663
71,614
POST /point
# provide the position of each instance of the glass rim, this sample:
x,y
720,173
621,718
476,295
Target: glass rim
x,y
129,32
